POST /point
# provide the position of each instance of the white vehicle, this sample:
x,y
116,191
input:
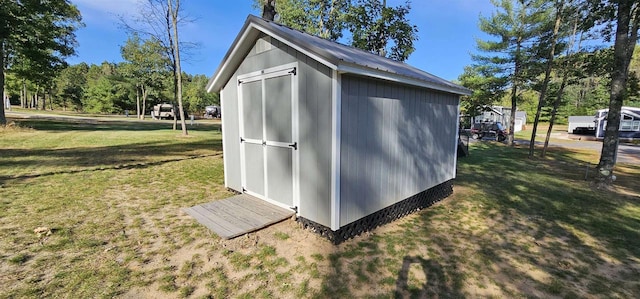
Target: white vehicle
x,y
163,111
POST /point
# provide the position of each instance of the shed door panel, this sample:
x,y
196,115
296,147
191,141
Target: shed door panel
x,y
252,110
280,174
252,136
267,137
278,129
278,109
254,168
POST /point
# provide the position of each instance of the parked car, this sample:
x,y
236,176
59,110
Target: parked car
x,y
212,112
489,129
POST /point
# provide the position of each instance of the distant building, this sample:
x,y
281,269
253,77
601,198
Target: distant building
x,y
581,124
502,115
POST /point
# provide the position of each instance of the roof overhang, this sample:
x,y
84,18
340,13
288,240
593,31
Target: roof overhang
x,y
243,44
347,68
254,27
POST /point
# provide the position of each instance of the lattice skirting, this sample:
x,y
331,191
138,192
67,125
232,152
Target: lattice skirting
x,y
410,205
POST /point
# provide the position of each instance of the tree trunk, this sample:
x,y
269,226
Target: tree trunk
x,y
514,97
174,18
625,41
23,95
145,94
172,56
3,118
34,105
556,104
138,102
268,10
44,102
565,79
547,76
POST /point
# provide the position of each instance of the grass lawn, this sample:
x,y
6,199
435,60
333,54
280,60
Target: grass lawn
x,y
107,197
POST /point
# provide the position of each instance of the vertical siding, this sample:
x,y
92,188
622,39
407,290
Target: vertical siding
x,y
314,85
396,141
231,136
315,140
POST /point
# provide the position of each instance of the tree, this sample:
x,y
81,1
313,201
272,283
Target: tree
x,y
382,30
626,16
173,11
196,97
146,66
550,51
160,19
372,25
567,66
105,91
269,10
70,85
37,35
487,89
516,25
323,18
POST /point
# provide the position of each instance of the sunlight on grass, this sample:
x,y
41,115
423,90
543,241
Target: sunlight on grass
x,y
110,195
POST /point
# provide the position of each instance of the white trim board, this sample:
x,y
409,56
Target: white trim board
x,y
336,124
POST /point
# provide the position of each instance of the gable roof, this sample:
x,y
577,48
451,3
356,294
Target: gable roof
x,y
338,57
631,111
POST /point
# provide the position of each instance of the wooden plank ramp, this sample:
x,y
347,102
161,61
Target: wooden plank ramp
x,y
238,215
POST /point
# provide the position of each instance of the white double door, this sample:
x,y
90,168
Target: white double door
x,y
267,136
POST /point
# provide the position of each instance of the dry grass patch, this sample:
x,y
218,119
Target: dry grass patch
x,y
111,198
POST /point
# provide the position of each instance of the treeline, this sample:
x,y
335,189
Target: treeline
x,y
551,58
586,92
106,88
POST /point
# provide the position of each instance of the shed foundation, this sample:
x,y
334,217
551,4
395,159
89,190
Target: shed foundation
x,y
396,211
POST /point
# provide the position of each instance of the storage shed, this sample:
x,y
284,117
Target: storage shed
x,y
346,138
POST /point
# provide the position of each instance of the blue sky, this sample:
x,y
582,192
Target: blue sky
x,y
447,32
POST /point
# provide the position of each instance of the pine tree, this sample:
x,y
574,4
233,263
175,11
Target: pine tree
x,y
516,25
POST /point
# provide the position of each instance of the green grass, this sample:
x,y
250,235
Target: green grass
x,y
111,193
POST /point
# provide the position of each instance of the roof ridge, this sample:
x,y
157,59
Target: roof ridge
x,y
331,41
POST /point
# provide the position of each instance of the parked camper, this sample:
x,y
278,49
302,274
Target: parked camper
x,y
629,123
163,111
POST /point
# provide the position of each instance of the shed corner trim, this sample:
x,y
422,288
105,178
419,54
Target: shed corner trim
x,y
336,124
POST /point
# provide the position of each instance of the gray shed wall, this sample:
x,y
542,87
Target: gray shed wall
x,y
396,141
314,85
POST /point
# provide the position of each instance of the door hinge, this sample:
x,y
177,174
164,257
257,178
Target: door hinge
x,y
294,145
294,71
